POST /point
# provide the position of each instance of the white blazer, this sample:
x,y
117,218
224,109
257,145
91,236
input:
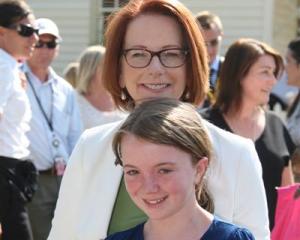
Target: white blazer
x,y
91,182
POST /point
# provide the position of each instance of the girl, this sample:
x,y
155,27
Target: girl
x,y
165,157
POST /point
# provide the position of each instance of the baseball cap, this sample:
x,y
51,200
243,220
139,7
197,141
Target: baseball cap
x,y
47,26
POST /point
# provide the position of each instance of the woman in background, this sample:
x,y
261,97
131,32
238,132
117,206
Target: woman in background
x,y
17,38
70,73
95,102
248,75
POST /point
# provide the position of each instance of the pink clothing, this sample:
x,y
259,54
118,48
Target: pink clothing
x,y
287,215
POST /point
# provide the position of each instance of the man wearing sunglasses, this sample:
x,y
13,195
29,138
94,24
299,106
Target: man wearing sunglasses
x,y
55,125
212,32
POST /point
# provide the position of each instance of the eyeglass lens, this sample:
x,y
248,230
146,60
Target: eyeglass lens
x,y
24,30
140,58
50,45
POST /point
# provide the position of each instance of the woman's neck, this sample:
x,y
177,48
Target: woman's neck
x,y
248,121
246,111
185,227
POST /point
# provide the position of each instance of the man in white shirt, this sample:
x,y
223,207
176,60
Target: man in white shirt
x,y
55,125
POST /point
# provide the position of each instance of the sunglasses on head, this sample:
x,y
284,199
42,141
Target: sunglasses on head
x,y
25,30
52,44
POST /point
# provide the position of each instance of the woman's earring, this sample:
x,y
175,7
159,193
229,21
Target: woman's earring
x,y
186,96
123,95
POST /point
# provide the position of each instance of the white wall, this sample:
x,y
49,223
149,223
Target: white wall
x,y
285,23
240,18
73,20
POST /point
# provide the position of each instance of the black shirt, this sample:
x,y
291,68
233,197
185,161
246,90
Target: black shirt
x,y
274,148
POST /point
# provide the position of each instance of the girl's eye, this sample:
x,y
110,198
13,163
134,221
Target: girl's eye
x,y
164,171
266,72
132,172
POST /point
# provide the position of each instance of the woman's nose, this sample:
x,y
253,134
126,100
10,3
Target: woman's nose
x,y
155,63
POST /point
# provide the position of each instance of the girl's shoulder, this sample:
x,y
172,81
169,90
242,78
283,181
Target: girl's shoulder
x,y
227,230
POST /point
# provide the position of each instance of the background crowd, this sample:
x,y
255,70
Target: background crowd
x,y
60,136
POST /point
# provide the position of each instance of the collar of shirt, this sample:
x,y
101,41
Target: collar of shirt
x,y
215,63
8,58
52,77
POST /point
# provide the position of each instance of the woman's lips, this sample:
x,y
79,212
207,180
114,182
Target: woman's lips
x,y
156,86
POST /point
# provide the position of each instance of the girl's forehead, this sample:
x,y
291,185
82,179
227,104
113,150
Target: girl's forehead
x,y
140,152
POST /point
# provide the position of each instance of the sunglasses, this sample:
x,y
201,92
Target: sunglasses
x,y
24,30
50,45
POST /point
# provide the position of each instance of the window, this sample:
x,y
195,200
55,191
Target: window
x,y
106,8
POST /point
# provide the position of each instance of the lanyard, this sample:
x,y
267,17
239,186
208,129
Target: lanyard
x,y
49,121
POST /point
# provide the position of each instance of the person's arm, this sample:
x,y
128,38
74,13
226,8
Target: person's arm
x,y
68,203
242,234
287,177
293,127
6,81
75,128
250,200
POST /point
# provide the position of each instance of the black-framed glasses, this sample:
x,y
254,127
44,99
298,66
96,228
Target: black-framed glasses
x,y
141,58
24,30
51,44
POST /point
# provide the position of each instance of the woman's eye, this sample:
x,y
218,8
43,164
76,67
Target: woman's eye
x,y
172,54
138,55
132,172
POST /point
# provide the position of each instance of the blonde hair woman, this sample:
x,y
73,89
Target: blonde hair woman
x,y
70,73
95,103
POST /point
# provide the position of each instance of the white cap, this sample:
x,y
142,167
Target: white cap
x,y
47,26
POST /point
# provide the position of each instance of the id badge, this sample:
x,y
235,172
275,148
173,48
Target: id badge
x,y
59,166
